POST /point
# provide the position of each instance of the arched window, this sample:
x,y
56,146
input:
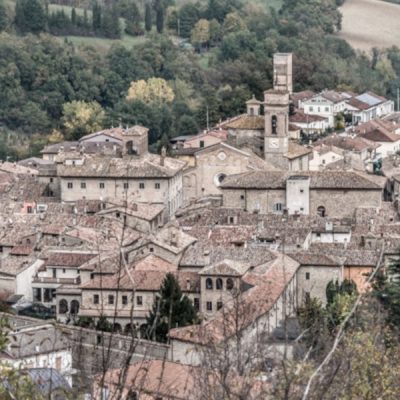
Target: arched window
x,y
209,284
274,124
63,306
321,211
229,284
117,328
74,307
219,284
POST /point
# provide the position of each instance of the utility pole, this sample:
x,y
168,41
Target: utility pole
x,y
208,120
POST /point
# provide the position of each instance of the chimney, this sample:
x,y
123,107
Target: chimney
x,y
163,155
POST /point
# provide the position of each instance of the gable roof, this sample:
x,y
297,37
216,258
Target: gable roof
x,y
319,180
226,268
246,122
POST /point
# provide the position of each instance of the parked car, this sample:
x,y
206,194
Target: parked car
x,y
37,310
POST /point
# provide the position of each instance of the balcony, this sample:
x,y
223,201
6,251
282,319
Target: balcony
x,y
56,281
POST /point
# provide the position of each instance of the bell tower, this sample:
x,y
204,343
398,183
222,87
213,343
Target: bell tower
x,y
283,72
276,136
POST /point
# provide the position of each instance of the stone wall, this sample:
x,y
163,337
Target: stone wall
x,y
342,203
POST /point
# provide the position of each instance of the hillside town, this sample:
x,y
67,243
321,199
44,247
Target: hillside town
x,y
252,219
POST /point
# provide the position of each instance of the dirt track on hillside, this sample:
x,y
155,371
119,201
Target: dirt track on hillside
x,y
371,23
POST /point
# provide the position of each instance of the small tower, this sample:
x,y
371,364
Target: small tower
x,y
135,141
283,72
276,136
253,107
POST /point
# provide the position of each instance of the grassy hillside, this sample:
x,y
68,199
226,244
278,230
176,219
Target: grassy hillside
x,y
371,23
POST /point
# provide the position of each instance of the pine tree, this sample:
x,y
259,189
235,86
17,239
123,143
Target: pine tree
x,y
170,310
30,16
148,20
3,16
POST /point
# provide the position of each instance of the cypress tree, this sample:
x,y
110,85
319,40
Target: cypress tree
x,y
3,16
148,18
160,19
73,17
96,17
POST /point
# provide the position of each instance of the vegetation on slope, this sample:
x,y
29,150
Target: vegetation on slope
x,y
213,54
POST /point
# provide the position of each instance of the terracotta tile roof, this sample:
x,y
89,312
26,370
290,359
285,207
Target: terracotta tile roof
x,y
305,258
22,250
246,122
381,135
155,379
296,151
148,166
360,105
204,253
256,180
347,143
301,96
226,268
139,210
143,281
319,180
13,265
154,263
301,118
70,259
333,96
253,304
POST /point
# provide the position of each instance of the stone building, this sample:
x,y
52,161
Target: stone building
x,y
328,193
212,164
147,178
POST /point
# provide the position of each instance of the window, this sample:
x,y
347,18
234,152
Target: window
x,y
307,296
141,185
118,215
101,185
83,185
202,143
231,220
139,300
51,180
229,284
124,300
219,305
110,299
307,276
209,306
70,185
274,124
126,185
96,299
219,284
132,395
278,207
63,306
54,273
321,211
209,284
327,109
29,209
301,191
196,303
151,249
242,197
311,109
157,185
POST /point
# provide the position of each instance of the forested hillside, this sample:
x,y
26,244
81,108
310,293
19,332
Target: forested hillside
x,y
206,55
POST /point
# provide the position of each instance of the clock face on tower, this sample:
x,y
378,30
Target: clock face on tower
x,y
273,144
